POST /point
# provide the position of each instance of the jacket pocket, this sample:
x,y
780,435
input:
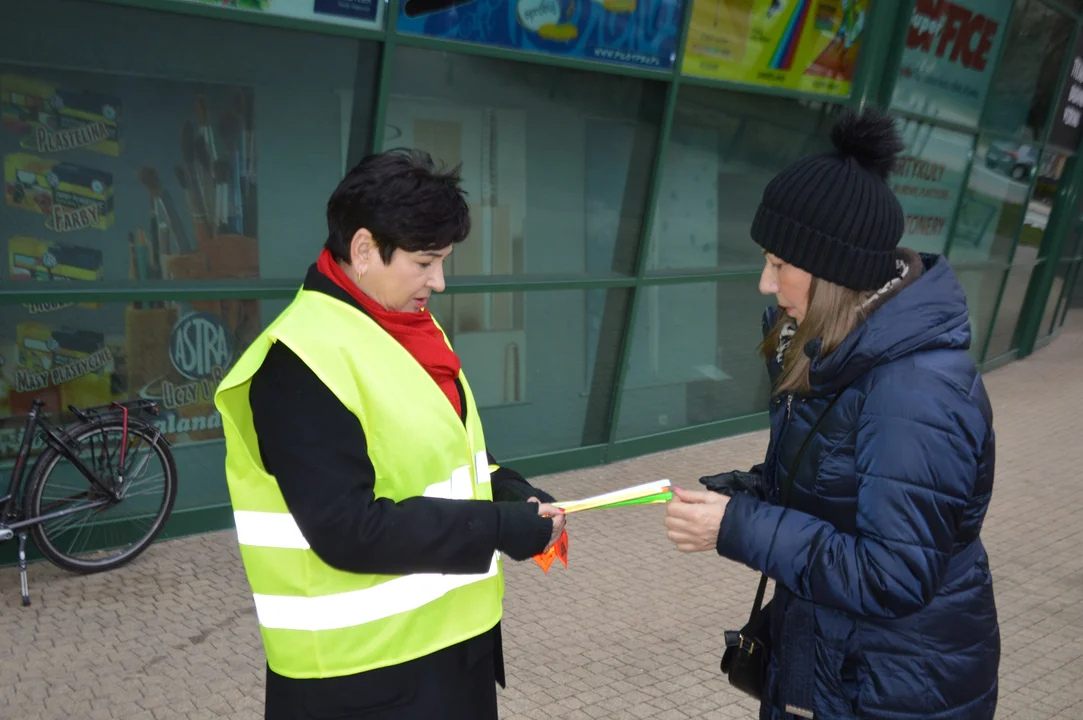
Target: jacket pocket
x,y
836,474
850,678
839,658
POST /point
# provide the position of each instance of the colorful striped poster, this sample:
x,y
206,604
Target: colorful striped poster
x,y
806,45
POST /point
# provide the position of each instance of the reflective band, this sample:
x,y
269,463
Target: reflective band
x,y
279,530
482,467
357,607
266,529
459,487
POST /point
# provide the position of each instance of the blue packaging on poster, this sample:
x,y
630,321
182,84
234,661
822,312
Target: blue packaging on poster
x,y
642,33
357,9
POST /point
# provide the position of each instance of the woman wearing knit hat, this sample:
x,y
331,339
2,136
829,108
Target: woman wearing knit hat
x,y
868,508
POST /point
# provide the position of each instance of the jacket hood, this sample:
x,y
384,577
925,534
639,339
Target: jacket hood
x,y
929,314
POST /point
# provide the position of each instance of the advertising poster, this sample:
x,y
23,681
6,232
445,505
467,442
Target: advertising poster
x,y
1068,117
359,13
927,180
806,45
948,56
112,178
642,33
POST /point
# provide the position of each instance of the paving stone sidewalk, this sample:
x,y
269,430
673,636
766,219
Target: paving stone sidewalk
x,y
632,630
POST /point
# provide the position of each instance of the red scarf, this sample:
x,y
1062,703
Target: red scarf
x,y
415,331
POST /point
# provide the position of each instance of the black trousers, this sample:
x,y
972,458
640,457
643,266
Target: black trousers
x,y
457,683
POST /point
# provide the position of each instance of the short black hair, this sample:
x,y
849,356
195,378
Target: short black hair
x,y
403,199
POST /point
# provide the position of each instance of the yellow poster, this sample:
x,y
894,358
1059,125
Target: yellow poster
x,y
806,45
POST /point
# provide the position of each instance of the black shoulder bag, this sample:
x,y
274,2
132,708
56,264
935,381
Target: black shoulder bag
x,y
748,650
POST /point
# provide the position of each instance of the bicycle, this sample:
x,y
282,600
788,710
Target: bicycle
x,y
102,488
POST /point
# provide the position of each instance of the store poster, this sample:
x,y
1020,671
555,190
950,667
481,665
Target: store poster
x,y
121,178
358,13
805,45
948,58
927,180
641,33
1068,116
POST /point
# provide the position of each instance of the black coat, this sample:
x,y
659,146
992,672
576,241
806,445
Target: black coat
x,y
317,451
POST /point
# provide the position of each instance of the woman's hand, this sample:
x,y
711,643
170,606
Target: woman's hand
x,y
559,520
693,519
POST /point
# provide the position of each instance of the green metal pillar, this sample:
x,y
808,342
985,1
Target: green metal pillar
x,y
879,47
383,83
1061,222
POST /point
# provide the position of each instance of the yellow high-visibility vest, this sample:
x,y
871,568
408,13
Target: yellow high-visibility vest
x,y
317,621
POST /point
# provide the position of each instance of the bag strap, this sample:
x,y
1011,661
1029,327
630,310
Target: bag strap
x,y
757,605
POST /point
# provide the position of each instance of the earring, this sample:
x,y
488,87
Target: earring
x,y
359,274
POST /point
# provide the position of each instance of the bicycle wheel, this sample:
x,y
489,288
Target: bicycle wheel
x,y
111,535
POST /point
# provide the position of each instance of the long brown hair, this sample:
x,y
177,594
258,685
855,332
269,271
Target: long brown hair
x,y
833,313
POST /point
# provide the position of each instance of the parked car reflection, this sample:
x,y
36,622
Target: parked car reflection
x,y
1015,161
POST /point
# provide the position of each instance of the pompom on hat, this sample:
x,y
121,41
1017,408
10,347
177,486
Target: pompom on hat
x,y
834,214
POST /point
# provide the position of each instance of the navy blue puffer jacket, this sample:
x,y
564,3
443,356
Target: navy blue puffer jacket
x,y
883,608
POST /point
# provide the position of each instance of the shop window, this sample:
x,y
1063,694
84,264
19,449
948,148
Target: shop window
x,y
981,287
556,163
1071,247
948,58
1051,313
723,150
546,386
1029,259
147,146
166,149
993,205
693,358
1074,297
1004,337
1049,173
1027,80
927,181
92,354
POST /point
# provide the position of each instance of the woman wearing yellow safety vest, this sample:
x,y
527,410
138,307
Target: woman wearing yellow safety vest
x,y
370,517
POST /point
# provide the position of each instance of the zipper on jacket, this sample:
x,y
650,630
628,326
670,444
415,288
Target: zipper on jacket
x,y
782,433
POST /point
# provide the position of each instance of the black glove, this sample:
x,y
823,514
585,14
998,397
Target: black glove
x,y
731,483
510,486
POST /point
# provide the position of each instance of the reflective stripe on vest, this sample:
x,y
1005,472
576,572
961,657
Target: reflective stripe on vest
x,y
279,530
343,610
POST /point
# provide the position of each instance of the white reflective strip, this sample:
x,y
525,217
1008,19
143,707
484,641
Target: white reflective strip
x,y
462,484
357,607
481,467
267,529
458,487
438,490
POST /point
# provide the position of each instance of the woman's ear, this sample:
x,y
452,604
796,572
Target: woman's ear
x,y
362,250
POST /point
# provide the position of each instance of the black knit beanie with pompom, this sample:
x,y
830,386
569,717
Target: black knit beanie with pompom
x,y
834,215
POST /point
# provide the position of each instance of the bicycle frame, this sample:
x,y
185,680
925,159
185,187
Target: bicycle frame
x,y
13,521
11,517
